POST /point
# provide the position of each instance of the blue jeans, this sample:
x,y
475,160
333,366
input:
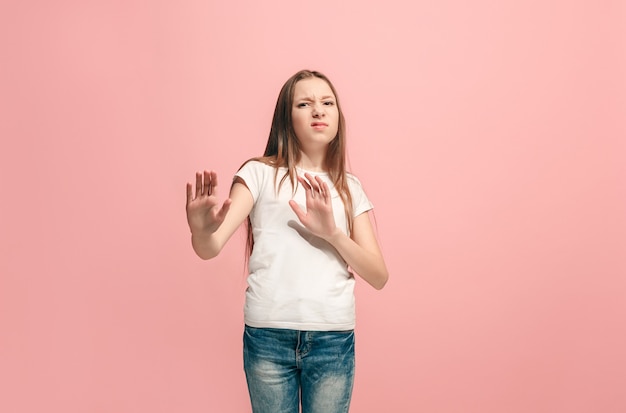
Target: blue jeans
x,y
286,368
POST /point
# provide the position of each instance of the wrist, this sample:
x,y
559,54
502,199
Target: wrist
x,y
204,244
199,234
334,236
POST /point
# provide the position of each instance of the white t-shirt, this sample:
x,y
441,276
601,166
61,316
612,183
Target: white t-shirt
x,y
297,281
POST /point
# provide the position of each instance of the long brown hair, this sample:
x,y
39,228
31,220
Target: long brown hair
x,y
283,148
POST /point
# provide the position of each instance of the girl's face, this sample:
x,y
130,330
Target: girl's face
x,y
314,114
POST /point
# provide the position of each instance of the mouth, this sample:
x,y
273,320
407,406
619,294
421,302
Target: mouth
x,y
319,125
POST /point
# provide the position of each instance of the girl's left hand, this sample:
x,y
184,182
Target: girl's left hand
x,y
318,218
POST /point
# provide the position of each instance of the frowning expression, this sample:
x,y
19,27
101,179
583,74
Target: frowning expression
x,y
314,114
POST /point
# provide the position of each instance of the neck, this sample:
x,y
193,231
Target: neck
x,y
312,162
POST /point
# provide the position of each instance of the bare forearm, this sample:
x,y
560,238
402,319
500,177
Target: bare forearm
x,y
370,266
205,245
208,240
360,250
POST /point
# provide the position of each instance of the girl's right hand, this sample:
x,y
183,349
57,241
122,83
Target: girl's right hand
x,y
204,215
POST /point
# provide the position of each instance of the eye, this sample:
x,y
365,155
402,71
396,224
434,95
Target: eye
x,y
329,103
302,105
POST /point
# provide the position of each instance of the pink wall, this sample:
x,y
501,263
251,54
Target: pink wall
x,y
489,134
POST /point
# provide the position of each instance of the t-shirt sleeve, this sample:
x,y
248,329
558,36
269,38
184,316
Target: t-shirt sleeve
x,y
252,174
360,202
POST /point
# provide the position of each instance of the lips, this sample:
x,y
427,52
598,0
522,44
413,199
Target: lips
x,y
319,125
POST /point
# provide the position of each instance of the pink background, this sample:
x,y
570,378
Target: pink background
x,y
490,136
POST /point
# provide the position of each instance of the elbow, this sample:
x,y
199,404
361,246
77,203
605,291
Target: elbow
x,y
380,281
205,256
204,251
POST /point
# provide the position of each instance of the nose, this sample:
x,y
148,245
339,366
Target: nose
x,y
318,111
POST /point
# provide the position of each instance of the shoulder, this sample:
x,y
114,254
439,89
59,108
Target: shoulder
x,y
353,181
255,167
352,177
360,199
262,163
256,173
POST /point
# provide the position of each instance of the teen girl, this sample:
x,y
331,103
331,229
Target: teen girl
x,y
307,227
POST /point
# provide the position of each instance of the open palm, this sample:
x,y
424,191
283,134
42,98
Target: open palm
x,y
318,218
203,211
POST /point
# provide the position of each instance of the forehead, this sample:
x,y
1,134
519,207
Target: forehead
x,y
312,87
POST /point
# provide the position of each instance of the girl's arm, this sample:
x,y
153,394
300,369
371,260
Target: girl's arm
x,y
212,226
360,251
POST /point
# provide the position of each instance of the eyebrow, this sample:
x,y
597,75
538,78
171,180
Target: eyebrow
x,y
311,99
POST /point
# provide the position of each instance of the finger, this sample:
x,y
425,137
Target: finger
x,y
315,186
206,188
213,187
224,210
298,211
311,190
304,183
198,184
313,181
319,183
324,189
189,193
